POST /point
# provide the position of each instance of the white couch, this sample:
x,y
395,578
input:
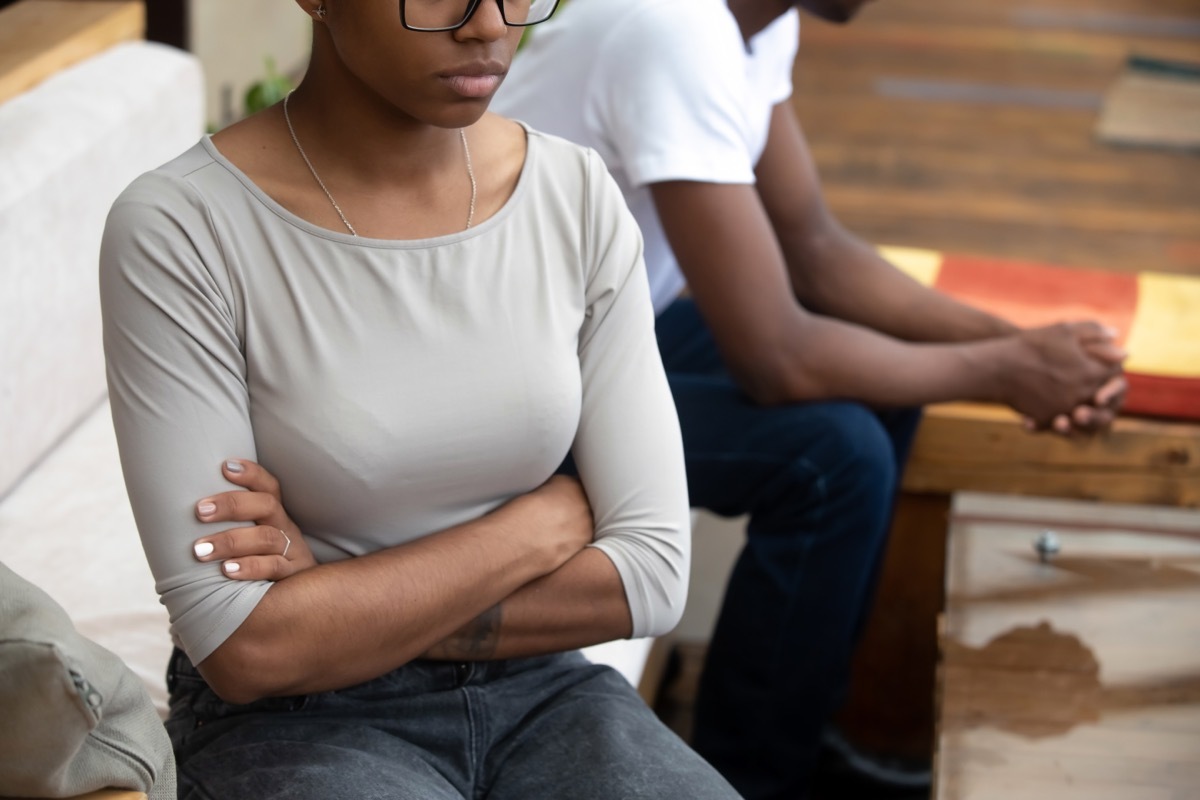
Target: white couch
x,y
67,148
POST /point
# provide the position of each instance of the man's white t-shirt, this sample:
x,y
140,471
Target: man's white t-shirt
x,y
663,90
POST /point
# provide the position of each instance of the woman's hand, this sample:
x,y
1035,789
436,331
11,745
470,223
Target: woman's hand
x,y
273,548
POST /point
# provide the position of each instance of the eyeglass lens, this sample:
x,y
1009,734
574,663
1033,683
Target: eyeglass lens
x,y
444,14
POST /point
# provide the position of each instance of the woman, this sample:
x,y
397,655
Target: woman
x,y
408,311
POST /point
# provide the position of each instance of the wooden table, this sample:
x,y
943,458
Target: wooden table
x,y
1013,179
969,447
1074,678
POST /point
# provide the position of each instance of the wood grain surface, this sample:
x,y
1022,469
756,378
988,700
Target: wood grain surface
x,y
975,447
1076,678
1007,163
40,37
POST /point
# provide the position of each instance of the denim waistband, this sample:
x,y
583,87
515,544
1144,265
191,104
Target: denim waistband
x,y
420,674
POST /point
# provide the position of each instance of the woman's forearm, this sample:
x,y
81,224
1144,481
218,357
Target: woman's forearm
x,y
346,622
579,604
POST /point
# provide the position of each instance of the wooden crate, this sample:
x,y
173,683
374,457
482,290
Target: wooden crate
x,y
1074,678
972,447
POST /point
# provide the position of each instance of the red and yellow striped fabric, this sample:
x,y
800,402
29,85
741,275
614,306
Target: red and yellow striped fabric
x,y
1157,314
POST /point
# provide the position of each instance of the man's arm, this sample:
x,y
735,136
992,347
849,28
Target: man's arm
x,y
835,273
736,268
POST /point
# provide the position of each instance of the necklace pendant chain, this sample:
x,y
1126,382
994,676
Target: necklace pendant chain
x,y
462,135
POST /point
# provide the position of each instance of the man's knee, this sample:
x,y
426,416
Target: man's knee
x,y
852,455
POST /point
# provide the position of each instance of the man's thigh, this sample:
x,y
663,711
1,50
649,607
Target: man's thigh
x,y
734,447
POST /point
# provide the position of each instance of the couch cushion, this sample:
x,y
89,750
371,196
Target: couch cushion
x,y
69,529
67,149
626,656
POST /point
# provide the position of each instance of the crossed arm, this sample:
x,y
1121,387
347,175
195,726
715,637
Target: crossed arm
x,y
518,581
579,603
803,310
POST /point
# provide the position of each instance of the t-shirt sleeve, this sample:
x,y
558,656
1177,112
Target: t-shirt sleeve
x,y
666,98
628,448
177,387
776,49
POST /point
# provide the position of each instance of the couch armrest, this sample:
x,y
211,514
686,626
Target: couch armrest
x,y
41,37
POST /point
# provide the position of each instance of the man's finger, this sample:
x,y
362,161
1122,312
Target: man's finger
x,y
1112,392
1092,331
1102,418
1106,350
1061,425
1089,419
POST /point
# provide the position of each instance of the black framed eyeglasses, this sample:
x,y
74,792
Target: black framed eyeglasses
x,y
449,15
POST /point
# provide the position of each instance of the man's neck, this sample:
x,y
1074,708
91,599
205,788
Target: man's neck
x,y
754,15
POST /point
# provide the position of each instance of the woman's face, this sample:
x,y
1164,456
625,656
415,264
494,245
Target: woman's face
x,y
444,78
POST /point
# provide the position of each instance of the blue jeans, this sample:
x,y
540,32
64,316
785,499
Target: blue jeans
x,y
524,729
818,481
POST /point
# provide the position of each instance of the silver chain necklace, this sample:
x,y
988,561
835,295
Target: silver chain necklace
x,y
462,135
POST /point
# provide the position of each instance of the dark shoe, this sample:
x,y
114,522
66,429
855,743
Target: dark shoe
x,y
844,770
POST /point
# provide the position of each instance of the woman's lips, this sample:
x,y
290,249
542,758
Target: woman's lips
x,y
473,85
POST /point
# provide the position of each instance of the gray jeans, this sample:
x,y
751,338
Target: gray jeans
x,y
524,729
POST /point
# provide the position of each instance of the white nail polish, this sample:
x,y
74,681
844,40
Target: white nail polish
x,y
233,466
232,567
203,549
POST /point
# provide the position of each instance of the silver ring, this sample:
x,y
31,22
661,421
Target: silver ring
x,y
286,546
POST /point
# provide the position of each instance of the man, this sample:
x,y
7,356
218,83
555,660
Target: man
x,y
793,338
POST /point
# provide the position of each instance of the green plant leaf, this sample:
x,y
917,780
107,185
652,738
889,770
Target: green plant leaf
x,y
266,92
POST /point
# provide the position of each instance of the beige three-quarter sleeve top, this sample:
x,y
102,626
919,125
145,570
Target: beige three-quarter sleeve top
x,y
395,388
